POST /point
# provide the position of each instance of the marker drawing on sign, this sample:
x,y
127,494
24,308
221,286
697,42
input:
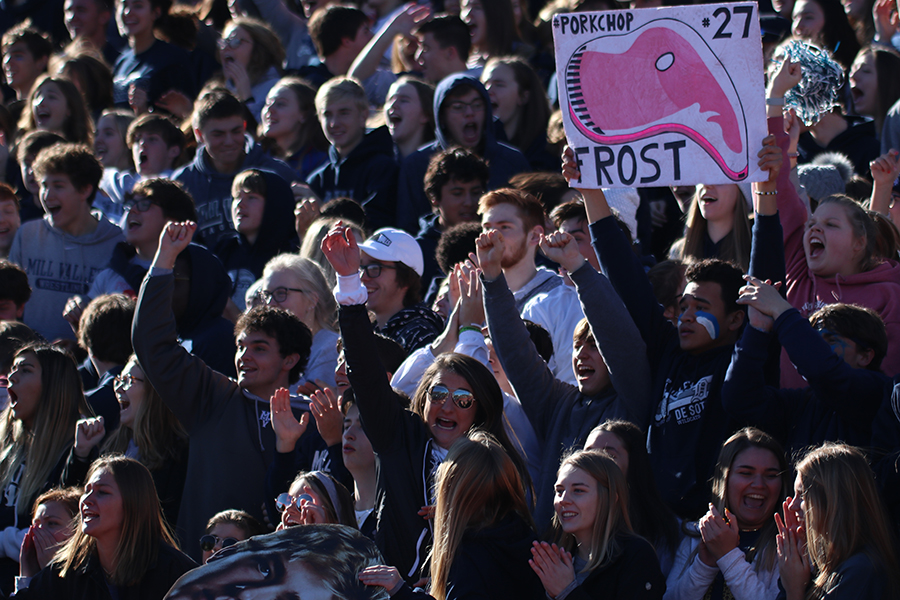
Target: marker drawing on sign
x,y
632,86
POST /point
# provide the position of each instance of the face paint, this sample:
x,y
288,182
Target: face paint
x,y
710,322
833,339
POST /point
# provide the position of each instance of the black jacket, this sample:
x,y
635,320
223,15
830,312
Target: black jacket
x,y
493,563
633,575
368,175
402,446
89,583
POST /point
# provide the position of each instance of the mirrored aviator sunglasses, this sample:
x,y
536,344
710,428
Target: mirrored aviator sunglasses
x,y
284,501
461,398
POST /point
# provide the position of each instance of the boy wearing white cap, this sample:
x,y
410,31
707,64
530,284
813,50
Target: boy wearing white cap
x,y
390,283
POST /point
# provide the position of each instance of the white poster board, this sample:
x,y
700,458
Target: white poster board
x,y
663,96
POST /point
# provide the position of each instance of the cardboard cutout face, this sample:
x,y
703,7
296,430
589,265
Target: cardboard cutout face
x,y
317,561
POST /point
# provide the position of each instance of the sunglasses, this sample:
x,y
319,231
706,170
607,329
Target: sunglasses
x,y
285,501
461,398
209,541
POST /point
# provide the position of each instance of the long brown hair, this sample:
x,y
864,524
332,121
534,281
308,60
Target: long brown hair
x,y
78,127
53,432
157,433
488,396
536,111
310,133
747,438
735,246
477,486
143,525
611,519
267,48
844,516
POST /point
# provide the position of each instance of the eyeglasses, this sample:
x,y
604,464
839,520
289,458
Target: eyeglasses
x,y
373,270
233,42
460,107
141,205
126,381
280,294
285,500
209,541
462,398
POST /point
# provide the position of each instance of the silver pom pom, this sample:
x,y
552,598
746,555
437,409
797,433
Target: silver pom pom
x,y
817,92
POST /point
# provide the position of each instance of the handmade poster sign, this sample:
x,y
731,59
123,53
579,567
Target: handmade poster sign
x,y
666,96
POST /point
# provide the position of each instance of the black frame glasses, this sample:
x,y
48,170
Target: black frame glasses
x,y
464,399
373,270
140,204
280,294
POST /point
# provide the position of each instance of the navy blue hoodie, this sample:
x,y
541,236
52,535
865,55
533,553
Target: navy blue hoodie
x,y
368,175
243,261
211,190
201,322
503,160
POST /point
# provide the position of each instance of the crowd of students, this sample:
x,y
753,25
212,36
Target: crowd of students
x,y
270,266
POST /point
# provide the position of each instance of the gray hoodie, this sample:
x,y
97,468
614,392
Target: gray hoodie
x,y
59,266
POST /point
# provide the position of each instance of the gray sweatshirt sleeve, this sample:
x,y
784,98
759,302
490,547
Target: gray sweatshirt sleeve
x,y
619,341
540,393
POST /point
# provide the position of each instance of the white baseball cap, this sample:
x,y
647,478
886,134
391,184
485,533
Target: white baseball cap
x,y
395,245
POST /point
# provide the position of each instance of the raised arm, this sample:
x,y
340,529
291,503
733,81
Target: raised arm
x,y
379,408
369,58
745,396
617,338
187,386
538,390
792,210
619,263
885,170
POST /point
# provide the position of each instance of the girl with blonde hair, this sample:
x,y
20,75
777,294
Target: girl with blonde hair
x,y
595,553
298,285
483,530
835,539
148,432
122,546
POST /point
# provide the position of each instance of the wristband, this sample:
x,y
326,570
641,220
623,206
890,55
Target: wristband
x,y
759,193
774,101
470,328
